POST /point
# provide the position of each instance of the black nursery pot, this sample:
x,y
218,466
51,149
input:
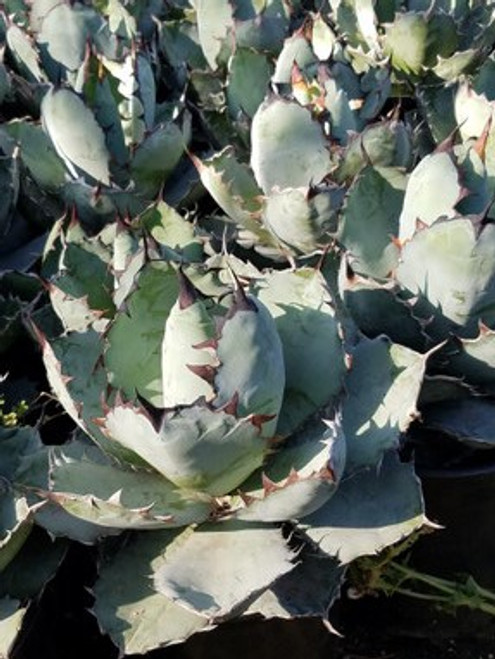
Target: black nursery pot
x,y
459,490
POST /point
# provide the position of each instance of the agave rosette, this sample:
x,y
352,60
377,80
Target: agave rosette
x,y
216,404
105,142
237,416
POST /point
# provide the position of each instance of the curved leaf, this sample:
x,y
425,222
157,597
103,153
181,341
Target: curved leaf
x,y
289,148
76,136
202,567
313,352
136,618
371,510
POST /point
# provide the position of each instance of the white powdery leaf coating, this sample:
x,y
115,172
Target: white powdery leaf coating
x,y
289,148
370,511
433,190
76,135
214,569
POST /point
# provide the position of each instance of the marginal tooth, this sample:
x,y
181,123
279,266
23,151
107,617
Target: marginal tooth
x,y
204,371
232,405
259,419
268,485
116,498
293,477
188,295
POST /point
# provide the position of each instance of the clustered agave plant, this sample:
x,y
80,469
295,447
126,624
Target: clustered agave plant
x,y
242,369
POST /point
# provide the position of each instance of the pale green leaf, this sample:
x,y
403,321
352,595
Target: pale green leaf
x,y
136,618
75,134
202,567
371,510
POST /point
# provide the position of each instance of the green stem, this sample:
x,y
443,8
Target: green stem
x,y
469,594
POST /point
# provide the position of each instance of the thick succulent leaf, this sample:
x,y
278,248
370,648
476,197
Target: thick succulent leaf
x,y
94,210
37,154
414,40
9,190
370,219
233,187
11,616
99,91
156,158
147,89
107,494
252,369
80,295
129,255
308,590
136,618
247,83
344,119
469,420
313,353
63,35
210,450
33,567
289,148
79,380
440,388
261,26
323,39
75,134
196,448
382,386
376,85
179,41
299,478
62,254
357,19
24,52
120,21
386,144
241,362
378,309
303,219
187,346
451,266
371,510
15,524
5,83
472,111
175,234
32,474
58,355
133,342
474,360
433,190
473,172
61,524
437,106
15,444
215,21
451,68
406,42
296,50
201,567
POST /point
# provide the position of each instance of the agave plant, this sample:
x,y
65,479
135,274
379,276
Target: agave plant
x,y
240,404
436,275
211,434
105,143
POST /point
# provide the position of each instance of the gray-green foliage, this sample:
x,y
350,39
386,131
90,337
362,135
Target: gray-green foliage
x,y
245,423
255,359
